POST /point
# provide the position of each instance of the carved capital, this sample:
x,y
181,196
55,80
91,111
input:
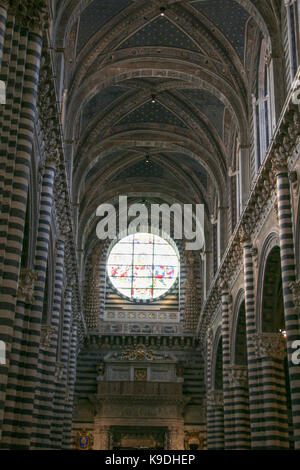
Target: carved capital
x,y
215,398
238,376
31,14
280,160
53,159
223,285
65,229
59,370
269,345
26,285
47,333
295,288
245,234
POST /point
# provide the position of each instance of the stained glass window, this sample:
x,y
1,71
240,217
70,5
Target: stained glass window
x,y
143,266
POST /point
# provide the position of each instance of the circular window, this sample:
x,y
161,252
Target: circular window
x,y
143,266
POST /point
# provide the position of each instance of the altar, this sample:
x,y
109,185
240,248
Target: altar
x,y
139,402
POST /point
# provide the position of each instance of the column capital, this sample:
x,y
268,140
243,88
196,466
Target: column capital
x,y
47,333
59,370
223,284
245,234
65,229
215,398
237,376
26,285
295,288
52,160
280,160
31,14
269,345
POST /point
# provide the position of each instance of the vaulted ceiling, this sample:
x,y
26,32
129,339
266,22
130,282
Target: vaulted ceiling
x,y
159,78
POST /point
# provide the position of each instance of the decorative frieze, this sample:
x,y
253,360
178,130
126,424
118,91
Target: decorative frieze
x,y
269,345
151,316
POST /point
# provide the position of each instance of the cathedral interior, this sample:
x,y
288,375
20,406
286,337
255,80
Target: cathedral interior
x,y
138,342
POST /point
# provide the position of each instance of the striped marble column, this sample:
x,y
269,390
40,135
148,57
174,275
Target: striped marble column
x,y
3,18
48,351
23,52
29,371
287,254
38,338
14,402
67,441
215,420
238,381
270,354
56,321
209,408
256,404
227,391
61,395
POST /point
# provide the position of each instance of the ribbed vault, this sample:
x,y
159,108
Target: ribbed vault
x,y
164,80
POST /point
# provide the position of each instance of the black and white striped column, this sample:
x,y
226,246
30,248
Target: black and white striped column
x,y
270,354
31,311
48,349
215,420
256,404
22,51
56,321
41,407
238,380
67,441
209,409
287,254
3,18
62,395
228,395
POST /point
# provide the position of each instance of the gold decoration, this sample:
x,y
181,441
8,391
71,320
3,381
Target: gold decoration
x,y
140,375
84,440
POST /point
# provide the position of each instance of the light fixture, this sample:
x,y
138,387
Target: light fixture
x,y
283,332
153,100
147,160
162,11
